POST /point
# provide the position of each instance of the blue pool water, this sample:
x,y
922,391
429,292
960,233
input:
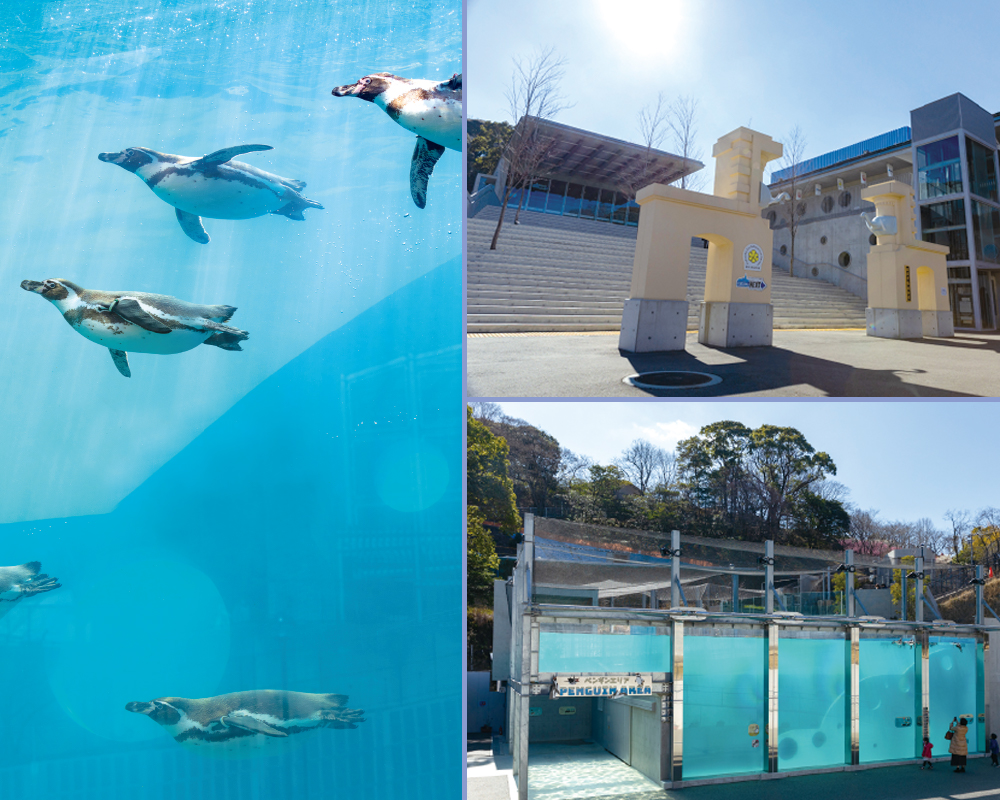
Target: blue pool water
x,y
286,517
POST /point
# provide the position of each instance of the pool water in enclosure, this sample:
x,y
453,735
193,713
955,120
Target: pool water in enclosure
x,y
277,509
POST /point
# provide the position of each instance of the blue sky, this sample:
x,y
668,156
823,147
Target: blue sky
x,y
908,459
842,71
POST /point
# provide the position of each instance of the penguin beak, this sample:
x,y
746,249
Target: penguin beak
x,y
32,286
348,90
139,708
111,158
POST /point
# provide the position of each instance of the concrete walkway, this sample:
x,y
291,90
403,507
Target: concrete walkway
x,y
802,363
588,772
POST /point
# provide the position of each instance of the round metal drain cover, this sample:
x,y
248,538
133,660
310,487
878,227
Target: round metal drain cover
x,y
672,380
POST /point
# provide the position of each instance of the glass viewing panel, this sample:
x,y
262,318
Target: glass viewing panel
x,y
888,700
538,194
953,690
986,231
606,205
944,223
556,192
982,169
722,707
574,195
588,209
811,687
603,652
939,168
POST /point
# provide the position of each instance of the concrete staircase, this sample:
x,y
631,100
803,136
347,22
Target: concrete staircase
x,y
554,273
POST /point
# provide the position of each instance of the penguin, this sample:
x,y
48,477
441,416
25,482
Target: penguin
x,y
24,580
246,720
213,186
138,322
430,109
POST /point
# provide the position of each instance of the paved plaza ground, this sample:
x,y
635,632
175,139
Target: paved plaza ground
x,y
576,772
801,363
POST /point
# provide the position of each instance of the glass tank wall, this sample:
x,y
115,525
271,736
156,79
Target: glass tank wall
x,y
812,681
953,691
889,698
279,509
724,704
643,649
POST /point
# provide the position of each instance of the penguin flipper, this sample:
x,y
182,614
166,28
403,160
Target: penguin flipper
x,y
129,308
191,225
425,156
120,357
227,154
251,724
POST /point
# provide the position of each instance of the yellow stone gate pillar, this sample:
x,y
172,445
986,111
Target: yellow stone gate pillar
x,y
907,278
736,311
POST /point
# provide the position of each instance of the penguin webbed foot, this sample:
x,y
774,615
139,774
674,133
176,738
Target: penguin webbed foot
x,y
227,340
425,155
40,584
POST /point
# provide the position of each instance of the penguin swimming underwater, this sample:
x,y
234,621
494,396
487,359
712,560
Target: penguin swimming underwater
x,y
430,109
24,580
213,186
138,322
246,720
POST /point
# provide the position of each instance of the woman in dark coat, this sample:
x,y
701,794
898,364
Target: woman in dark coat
x,y
958,746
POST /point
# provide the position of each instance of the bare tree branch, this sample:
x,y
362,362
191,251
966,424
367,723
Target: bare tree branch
x,y
682,119
794,154
533,96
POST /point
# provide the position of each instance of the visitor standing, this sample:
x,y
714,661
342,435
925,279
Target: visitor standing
x,y
959,747
994,750
927,754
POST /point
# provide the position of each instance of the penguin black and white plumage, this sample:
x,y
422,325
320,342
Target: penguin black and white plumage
x,y
430,109
246,720
138,322
24,580
213,186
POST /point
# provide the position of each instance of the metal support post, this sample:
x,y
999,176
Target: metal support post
x,y
528,633
979,595
676,767
981,691
918,569
772,695
902,602
769,576
922,652
675,569
849,582
736,593
852,721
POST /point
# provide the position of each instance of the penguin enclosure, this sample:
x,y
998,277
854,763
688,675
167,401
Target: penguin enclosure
x,y
230,491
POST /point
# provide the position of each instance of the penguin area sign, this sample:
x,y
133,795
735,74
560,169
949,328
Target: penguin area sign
x,y
603,685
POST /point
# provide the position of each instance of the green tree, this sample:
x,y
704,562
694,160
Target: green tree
x,y
490,498
756,484
481,558
485,142
534,458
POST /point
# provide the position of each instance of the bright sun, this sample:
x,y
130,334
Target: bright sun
x,y
650,30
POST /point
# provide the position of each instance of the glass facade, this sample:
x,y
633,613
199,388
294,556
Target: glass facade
x,y
724,703
939,168
944,223
577,200
986,231
982,169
